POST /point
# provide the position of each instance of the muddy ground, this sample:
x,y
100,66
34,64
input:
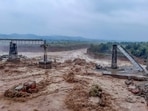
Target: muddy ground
x,y
67,85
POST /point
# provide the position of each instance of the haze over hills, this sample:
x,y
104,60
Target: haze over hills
x,y
52,37
55,38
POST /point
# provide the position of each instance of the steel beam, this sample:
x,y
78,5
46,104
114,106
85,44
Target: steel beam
x,y
23,41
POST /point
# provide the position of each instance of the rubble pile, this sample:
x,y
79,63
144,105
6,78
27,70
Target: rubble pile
x,y
22,90
25,89
138,89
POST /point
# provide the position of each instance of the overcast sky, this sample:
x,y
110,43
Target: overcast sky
x,y
101,19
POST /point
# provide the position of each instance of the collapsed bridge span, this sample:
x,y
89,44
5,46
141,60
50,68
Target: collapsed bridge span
x,y
127,54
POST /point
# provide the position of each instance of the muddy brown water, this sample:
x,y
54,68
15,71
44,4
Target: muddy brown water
x,y
53,96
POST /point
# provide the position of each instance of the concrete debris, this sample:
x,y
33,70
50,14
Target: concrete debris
x,y
99,67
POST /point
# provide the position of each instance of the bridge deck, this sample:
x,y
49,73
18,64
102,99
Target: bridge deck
x,y
23,41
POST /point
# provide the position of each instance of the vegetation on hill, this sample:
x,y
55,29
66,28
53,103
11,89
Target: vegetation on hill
x,y
138,49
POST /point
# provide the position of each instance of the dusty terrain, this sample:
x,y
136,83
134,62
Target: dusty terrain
x,y
67,85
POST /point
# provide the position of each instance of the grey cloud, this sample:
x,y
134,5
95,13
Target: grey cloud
x,y
104,19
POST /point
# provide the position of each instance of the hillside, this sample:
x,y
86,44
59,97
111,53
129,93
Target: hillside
x,y
52,37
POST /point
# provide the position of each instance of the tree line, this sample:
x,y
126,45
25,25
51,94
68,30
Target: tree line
x,y
138,49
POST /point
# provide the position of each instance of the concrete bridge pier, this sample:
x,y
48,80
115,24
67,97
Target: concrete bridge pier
x,y
45,63
13,53
114,57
